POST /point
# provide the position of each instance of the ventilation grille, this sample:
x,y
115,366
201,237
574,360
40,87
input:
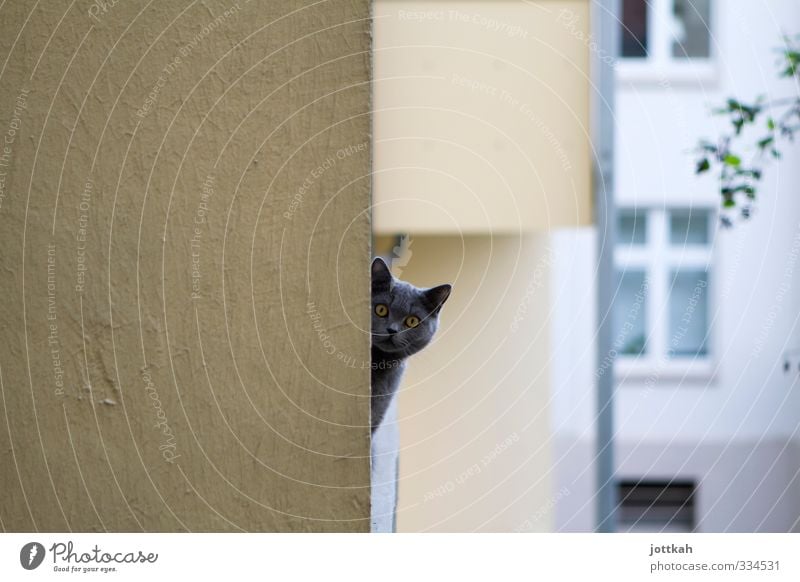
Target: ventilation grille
x,y
654,506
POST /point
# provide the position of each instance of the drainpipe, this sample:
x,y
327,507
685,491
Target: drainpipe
x,y
605,30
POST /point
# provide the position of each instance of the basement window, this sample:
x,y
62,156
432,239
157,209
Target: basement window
x,y
656,506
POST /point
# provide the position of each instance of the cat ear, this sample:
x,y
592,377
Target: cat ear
x,y
437,296
381,275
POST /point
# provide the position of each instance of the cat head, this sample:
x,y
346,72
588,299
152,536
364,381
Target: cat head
x,y
404,317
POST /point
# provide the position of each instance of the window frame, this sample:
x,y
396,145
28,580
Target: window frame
x,y
659,66
658,258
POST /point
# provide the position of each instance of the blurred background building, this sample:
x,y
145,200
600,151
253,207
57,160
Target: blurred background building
x,y
482,160
706,416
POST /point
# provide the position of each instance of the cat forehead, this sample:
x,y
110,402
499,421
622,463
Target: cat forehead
x,y
403,289
401,295
405,293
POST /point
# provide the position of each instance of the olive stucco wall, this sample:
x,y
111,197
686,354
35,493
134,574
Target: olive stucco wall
x,y
184,251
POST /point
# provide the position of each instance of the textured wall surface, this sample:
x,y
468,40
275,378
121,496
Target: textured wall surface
x,y
184,251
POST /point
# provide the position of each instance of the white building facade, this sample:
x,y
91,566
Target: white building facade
x,y
707,417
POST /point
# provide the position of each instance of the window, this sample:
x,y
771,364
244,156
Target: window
x,y
656,506
632,227
666,37
630,313
662,310
691,21
634,28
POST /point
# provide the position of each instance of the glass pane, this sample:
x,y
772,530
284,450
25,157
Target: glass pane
x,y
688,314
632,227
634,28
690,29
629,314
688,227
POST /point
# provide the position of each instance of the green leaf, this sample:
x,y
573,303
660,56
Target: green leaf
x,y
731,160
702,166
792,63
734,105
771,124
708,147
764,143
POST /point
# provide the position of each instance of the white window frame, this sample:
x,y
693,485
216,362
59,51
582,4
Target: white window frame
x,y
659,66
657,258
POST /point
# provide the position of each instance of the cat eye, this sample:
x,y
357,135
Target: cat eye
x,y
381,310
412,321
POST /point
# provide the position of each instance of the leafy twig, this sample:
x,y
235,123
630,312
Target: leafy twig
x,y
738,180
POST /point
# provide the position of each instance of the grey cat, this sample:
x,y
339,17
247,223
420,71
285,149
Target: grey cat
x,y
404,320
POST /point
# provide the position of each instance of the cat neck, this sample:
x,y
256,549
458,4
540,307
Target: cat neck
x,y
378,356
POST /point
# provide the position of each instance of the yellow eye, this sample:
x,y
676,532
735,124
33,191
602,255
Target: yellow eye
x,y
412,321
381,310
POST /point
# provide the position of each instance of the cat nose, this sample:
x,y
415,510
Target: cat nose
x,y
391,330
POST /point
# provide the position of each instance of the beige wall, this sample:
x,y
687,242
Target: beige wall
x,y
482,114
481,146
473,409
159,368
